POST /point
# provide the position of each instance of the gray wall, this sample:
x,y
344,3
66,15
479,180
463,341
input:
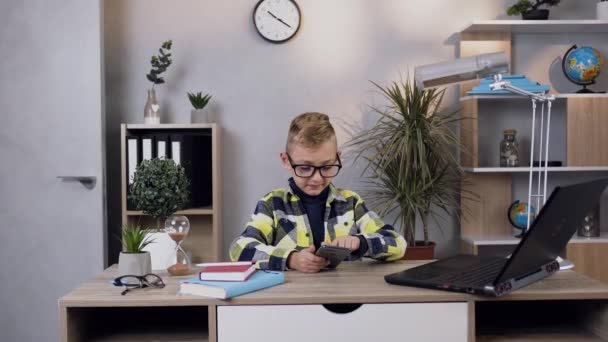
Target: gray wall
x,y
259,87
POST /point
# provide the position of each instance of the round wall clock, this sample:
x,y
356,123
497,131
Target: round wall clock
x,y
277,21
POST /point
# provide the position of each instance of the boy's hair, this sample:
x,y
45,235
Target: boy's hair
x,y
310,130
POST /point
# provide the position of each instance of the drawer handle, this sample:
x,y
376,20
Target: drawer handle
x,y
342,308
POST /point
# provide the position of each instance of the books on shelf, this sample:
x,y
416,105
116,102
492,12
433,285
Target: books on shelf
x,y
230,271
228,289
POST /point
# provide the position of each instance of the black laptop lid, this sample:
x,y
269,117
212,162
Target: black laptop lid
x,y
549,234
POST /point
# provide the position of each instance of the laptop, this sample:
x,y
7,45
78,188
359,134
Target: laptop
x,y
533,258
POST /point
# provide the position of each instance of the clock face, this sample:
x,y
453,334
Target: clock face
x,y
277,20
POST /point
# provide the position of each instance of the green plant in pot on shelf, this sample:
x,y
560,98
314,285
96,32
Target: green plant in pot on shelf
x,y
411,171
531,10
133,260
159,63
160,188
199,102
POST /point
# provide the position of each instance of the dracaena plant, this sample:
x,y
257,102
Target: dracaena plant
x,y
135,239
198,100
410,166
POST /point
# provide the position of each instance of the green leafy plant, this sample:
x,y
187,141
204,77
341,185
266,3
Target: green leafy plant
x,y
160,187
410,168
134,239
198,100
523,6
160,63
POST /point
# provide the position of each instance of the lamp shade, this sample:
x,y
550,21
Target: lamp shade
x,y
460,70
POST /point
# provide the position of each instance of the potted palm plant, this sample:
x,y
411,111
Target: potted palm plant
x,y
133,260
411,171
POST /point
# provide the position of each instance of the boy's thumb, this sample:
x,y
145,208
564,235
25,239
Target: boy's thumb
x,y
310,249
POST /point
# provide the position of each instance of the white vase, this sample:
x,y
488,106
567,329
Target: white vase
x,y
602,10
137,264
151,110
200,116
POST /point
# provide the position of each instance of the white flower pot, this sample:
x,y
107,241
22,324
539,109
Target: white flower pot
x,y
200,116
136,264
602,10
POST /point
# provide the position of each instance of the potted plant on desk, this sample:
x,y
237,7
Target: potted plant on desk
x,y
133,260
411,170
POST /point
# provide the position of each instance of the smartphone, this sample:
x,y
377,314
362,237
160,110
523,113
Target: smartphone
x,y
334,254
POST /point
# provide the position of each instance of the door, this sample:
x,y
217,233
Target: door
x,y
50,125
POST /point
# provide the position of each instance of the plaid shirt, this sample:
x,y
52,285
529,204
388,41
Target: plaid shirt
x,y
279,226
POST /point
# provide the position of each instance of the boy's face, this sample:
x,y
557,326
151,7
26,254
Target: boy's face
x,y
325,154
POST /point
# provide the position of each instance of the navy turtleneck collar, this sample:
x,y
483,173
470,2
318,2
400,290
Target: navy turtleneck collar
x,y
322,197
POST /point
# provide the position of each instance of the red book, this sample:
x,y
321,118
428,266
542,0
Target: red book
x,y
228,271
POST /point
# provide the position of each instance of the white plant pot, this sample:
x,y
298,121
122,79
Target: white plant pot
x,y
137,264
602,10
199,115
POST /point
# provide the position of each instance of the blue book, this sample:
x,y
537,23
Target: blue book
x,y
519,81
228,289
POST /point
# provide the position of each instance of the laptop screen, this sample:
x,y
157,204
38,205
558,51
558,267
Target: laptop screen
x,y
550,232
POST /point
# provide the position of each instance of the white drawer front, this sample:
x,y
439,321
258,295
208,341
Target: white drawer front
x,y
370,322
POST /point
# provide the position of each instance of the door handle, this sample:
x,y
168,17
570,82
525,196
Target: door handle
x,y
87,181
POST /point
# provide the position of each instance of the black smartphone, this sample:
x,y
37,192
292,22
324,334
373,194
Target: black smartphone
x,y
334,254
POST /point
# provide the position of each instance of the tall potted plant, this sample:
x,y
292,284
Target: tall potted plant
x,y
133,260
411,170
160,188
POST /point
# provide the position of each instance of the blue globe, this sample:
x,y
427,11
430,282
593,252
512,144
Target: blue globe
x,y
518,214
583,65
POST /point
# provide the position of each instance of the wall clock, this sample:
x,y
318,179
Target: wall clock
x,y
277,21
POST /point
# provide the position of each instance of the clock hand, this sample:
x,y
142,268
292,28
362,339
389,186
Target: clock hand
x,y
279,19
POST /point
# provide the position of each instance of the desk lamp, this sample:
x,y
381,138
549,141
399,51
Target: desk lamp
x,y
495,64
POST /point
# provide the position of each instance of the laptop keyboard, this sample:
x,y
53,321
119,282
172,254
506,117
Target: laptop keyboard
x,y
475,275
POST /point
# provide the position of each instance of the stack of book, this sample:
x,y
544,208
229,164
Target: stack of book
x,y
230,279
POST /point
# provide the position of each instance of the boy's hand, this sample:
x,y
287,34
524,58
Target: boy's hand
x,y
306,261
350,242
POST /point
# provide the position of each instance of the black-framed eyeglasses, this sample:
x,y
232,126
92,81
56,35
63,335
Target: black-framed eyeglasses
x,y
307,171
131,282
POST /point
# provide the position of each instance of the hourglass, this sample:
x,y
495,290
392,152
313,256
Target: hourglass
x,y
177,227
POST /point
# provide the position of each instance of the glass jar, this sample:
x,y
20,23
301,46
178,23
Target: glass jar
x,y
509,149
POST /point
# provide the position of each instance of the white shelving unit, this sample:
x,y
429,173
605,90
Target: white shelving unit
x,y
526,169
538,26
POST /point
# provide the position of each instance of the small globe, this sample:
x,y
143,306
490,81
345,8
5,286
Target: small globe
x,y
582,65
518,214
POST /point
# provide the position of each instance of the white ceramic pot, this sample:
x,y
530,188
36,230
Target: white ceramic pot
x,y
602,10
200,115
136,264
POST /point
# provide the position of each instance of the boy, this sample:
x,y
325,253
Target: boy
x,y
289,224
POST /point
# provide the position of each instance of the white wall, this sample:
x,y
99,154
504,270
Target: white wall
x,y
259,87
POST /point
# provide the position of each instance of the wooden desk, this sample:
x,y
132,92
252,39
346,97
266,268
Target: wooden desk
x,y
566,306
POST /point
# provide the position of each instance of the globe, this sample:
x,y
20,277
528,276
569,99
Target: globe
x,y
582,66
518,214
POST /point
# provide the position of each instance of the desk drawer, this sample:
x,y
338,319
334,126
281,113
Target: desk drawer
x,y
370,322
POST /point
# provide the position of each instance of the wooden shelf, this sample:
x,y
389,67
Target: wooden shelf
x,y
498,240
194,211
526,169
520,97
538,26
170,126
